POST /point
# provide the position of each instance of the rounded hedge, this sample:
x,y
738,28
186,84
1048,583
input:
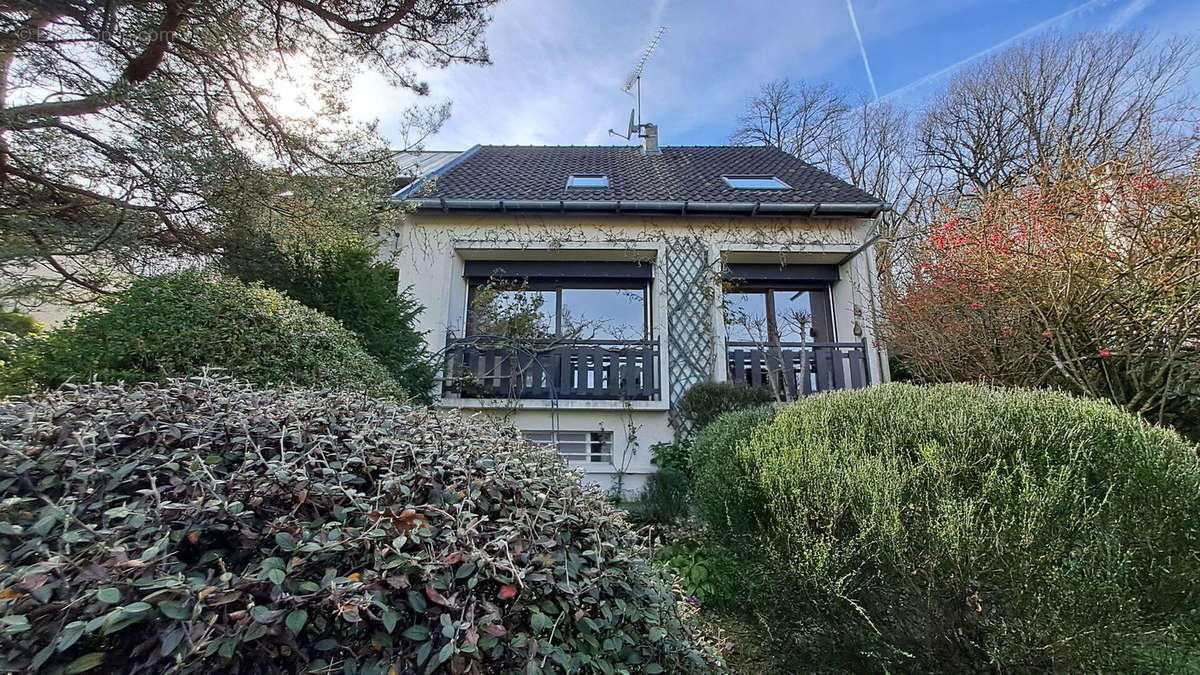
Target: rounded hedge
x,y
344,280
703,403
721,491
177,325
963,528
204,526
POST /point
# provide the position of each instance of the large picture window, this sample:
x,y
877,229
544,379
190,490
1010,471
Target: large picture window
x,y
778,314
582,306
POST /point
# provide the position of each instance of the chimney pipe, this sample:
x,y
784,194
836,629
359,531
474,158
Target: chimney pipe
x,y
650,139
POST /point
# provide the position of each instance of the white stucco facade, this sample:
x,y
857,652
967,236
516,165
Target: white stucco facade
x,y
432,249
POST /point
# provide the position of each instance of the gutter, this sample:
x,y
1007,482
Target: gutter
x,y
669,207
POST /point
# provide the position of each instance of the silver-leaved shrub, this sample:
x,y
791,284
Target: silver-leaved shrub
x,y
203,526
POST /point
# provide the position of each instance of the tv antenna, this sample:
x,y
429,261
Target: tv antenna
x,y
634,81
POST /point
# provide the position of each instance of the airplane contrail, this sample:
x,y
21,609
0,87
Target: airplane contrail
x,y
1127,14
999,45
862,48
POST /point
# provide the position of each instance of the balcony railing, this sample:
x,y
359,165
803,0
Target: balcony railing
x,y
484,367
796,369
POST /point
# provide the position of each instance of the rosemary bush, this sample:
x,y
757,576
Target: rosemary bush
x,y
703,403
962,528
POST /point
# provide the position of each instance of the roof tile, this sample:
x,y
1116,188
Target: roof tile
x,y
680,173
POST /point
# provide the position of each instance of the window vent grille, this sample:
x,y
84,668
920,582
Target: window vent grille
x,y
576,446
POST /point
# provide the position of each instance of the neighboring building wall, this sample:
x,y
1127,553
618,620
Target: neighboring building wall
x,y
50,314
431,250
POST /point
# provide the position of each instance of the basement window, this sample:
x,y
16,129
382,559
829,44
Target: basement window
x,y
755,183
587,180
576,446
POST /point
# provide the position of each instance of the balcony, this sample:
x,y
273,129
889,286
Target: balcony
x,y
485,367
793,369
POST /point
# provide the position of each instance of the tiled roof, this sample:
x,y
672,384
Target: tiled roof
x,y
679,174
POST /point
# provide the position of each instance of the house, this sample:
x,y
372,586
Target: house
x,y
412,164
580,291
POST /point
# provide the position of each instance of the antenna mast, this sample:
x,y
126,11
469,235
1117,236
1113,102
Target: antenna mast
x,y
635,80
635,75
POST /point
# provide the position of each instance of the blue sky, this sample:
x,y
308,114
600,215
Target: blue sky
x,y
559,65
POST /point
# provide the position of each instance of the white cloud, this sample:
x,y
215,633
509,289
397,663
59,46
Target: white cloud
x,y
558,67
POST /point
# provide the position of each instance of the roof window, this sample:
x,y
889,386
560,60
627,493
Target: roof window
x,y
755,183
587,180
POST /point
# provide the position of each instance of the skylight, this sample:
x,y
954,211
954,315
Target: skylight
x,y
587,180
756,183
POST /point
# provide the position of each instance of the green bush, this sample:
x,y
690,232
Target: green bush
x,y
665,499
18,324
343,280
9,343
705,402
206,527
696,569
176,325
677,455
720,485
962,528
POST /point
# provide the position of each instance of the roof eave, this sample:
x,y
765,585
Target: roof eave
x,y
865,209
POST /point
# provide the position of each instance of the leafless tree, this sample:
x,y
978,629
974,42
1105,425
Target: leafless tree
x,y
875,150
1094,96
868,144
868,148
797,117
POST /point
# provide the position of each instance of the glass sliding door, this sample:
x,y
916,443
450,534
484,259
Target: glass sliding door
x,y
780,337
774,315
746,316
604,313
780,333
803,315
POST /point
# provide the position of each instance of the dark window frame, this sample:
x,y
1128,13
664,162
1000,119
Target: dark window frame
x,y
558,285
543,270
769,289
